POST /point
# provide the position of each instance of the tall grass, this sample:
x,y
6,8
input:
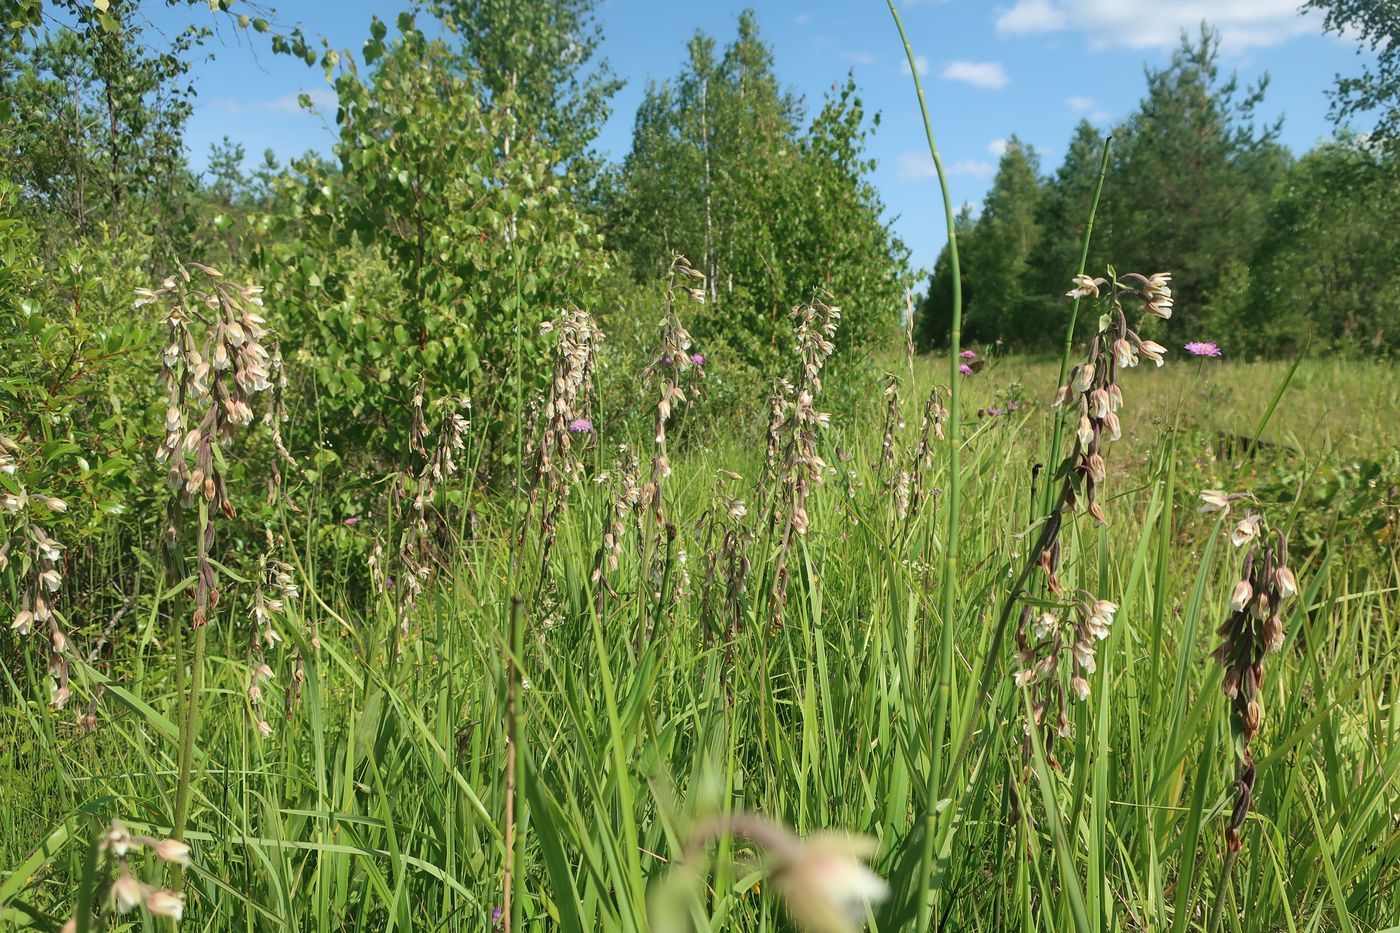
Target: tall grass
x,y
379,802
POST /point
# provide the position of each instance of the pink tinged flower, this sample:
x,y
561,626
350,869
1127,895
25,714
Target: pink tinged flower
x,y
968,354
1123,353
126,893
965,369
1084,377
580,426
1114,428
698,359
165,903
1202,348
1152,350
1024,677
352,520
1214,500
1246,531
1013,406
1046,625
1286,583
174,851
1241,596
1085,432
994,411
1080,686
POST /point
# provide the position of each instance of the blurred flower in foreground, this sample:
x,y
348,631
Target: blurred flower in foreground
x,y
822,879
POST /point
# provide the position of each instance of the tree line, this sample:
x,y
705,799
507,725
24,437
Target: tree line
x,y
1270,253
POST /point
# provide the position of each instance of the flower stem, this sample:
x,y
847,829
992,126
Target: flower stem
x,y
951,511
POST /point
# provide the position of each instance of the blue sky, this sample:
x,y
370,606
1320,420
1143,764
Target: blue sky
x,y
1029,67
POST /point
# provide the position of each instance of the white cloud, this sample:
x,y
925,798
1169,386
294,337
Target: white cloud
x,y
974,167
802,19
1029,16
980,74
915,165
859,58
919,61
1080,103
997,147
321,98
1100,116
1142,24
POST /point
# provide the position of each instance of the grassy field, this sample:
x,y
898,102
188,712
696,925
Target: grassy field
x,y
726,670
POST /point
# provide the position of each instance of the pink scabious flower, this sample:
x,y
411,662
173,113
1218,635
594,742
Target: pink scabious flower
x,y
1203,348
698,359
352,520
968,354
965,369
581,426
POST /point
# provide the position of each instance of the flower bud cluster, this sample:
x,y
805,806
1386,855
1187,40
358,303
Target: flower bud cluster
x,y
24,521
1252,630
127,892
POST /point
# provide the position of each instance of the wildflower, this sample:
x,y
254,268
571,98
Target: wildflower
x,y
1241,596
1084,285
994,411
1159,306
580,426
1024,677
1152,350
1215,500
826,884
166,903
23,623
965,369
1123,353
12,503
1045,625
1080,686
698,359
1246,530
352,520
1286,583
51,580
53,503
1202,348
1156,284
265,728
174,851
968,354
126,893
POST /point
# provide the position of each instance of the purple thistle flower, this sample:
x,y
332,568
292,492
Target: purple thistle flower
x,y
698,359
1203,348
1013,406
968,354
965,369
996,411
580,426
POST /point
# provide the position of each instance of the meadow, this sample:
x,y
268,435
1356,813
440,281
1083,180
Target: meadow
x,y
477,611
687,685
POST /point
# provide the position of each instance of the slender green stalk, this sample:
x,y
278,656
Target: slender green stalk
x,y
951,511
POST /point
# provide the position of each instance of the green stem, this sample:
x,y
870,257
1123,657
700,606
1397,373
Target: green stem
x,y
188,728
950,561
